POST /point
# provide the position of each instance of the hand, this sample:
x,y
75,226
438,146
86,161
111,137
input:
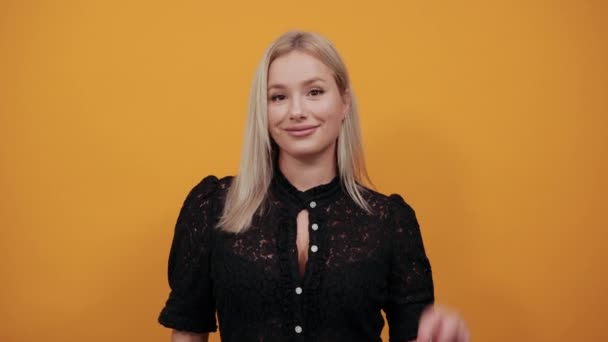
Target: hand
x,y
440,324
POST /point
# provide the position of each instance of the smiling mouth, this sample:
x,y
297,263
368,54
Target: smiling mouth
x,y
301,131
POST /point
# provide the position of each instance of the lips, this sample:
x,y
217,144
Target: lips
x,y
301,131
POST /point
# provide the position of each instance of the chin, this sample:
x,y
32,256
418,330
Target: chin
x,y
304,150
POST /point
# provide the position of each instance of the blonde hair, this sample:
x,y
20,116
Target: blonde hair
x,y
247,194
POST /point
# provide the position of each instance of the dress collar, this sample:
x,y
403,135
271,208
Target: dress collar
x,y
309,199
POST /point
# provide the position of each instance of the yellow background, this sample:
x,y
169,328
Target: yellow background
x,y
489,117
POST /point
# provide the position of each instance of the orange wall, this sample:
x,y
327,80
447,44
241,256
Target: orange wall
x,y
490,118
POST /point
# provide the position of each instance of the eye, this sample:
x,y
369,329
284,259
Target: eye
x,y
277,97
316,92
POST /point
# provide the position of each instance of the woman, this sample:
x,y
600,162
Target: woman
x,y
295,247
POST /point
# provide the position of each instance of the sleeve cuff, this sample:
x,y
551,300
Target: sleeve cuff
x,y
185,323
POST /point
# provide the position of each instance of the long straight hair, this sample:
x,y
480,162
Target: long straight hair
x,y
247,193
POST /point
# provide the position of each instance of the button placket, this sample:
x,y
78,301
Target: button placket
x,y
311,201
314,248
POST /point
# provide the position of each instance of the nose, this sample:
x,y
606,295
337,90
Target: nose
x,y
296,109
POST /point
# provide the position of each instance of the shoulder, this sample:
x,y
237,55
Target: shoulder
x,y
211,184
203,202
393,201
209,187
391,206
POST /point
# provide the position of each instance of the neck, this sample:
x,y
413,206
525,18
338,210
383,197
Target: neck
x,y
308,173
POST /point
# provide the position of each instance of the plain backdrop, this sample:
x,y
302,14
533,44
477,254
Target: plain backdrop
x,y
488,117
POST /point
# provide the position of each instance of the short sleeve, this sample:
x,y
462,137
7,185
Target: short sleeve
x,y
190,306
410,285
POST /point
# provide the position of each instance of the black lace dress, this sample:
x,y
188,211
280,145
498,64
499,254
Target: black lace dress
x,y
358,264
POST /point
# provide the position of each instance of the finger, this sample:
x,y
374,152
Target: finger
x,y
423,329
453,329
464,333
429,323
448,329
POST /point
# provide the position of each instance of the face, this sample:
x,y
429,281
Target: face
x,y
305,107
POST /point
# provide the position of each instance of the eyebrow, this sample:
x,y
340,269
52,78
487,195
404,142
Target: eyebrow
x,y
304,83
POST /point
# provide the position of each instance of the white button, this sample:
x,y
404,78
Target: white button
x,y
298,290
315,226
298,329
313,204
314,248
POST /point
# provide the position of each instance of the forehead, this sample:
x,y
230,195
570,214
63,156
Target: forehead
x,y
295,67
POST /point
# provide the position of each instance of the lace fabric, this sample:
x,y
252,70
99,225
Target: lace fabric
x,y
361,264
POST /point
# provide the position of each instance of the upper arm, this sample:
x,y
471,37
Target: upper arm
x,y
190,306
410,280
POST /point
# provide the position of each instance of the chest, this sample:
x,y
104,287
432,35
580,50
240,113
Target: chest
x,y
302,254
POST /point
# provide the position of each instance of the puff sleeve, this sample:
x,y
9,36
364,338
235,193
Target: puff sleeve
x,y
410,284
191,306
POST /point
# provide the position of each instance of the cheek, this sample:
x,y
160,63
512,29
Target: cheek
x,y
332,122
273,115
330,111
274,120
333,127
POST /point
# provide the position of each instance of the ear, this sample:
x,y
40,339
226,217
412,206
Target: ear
x,y
346,101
